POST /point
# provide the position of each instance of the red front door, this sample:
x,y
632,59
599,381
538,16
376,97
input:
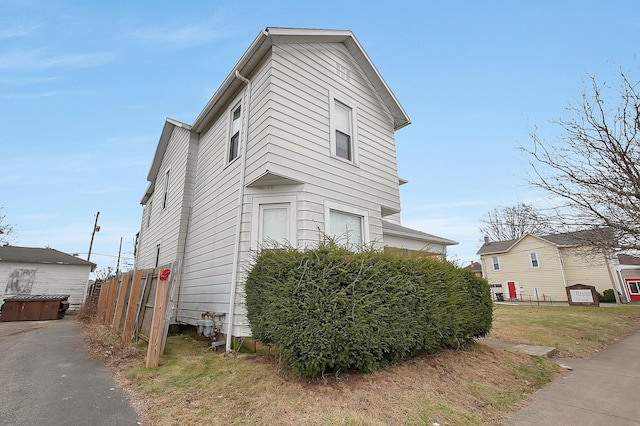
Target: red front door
x,y
512,289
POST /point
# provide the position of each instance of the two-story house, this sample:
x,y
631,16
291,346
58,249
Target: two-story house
x,y
297,143
539,268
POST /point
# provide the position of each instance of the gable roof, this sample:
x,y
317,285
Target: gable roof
x,y
404,232
474,266
40,255
161,149
273,36
565,239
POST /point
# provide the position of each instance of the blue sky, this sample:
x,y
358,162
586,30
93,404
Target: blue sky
x,y
85,88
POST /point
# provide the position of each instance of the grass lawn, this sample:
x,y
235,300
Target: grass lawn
x,y
576,331
477,385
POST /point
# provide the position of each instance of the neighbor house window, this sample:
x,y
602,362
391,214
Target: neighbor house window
x,y
343,131
165,197
495,261
534,260
234,141
634,287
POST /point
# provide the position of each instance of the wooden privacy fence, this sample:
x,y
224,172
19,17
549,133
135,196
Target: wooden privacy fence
x,y
138,305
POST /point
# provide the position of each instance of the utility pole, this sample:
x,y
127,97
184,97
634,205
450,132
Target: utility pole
x,y
119,252
96,228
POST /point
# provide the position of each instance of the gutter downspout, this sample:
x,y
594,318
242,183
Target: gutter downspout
x,y
613,282
236,252
564,278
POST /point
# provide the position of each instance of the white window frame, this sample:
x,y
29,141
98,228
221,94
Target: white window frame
x,y
150,209
165,195
628,281
495,261
259,203
231,133
351,105
343,208
534,260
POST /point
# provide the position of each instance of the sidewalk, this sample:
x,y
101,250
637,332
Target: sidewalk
x,y
47,378
601,390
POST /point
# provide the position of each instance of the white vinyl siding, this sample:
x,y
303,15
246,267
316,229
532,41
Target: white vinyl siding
x,y
168,225
51,279
287,133
208,262
290,128
557,268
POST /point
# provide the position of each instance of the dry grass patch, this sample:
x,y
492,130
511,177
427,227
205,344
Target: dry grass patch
x,y
575,331
478,385
475,386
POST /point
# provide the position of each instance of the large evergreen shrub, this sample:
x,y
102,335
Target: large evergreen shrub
x,y
329,309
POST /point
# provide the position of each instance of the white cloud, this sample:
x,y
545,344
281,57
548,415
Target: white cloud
x,y
38,59
187,36
35,95
17,31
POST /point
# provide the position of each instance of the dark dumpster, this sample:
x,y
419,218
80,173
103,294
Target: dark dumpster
x,y
31,307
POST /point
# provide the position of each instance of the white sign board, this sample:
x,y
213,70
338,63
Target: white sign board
x,y
581,296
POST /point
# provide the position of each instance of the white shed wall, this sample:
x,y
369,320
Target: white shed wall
x,y
51,279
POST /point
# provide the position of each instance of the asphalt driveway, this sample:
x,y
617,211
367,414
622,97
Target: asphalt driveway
x,y
47,378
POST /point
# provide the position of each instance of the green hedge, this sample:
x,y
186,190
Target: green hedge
x,y
328,309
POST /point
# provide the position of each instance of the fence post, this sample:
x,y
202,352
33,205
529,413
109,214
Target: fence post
x,y
122,294
134,296
110,301
157,322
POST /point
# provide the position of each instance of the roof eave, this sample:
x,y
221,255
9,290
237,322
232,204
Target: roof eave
x,y
416,237
273,35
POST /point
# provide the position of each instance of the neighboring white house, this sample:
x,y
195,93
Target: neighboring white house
x,y
43,271
541,267
298,142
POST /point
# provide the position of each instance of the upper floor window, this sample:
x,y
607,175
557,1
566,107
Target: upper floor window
x,y
165,196
157,255
234,141
343,131
495,261
149,212
535,262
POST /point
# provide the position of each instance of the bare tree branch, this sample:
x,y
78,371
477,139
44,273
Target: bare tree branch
x,y
511,223
594,167
7,232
